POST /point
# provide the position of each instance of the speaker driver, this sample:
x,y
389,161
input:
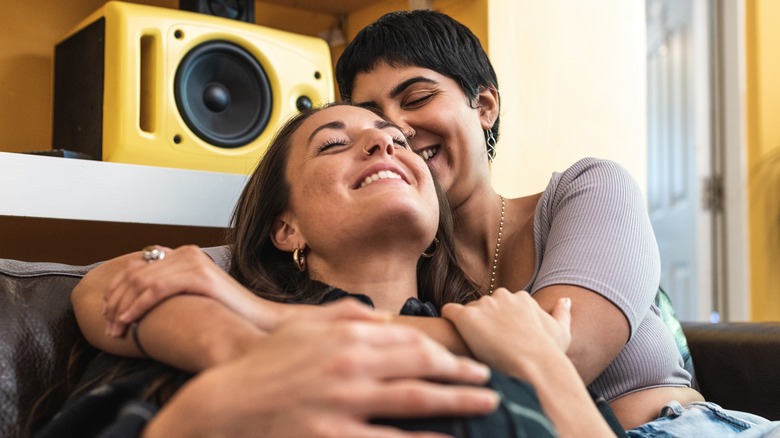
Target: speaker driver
x,y
223,94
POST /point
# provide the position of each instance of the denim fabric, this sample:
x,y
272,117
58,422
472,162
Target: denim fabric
x,y
704,419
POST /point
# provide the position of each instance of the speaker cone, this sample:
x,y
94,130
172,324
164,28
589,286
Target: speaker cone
x,y
223,94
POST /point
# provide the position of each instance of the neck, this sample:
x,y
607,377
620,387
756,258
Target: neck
x,y
476,230
389,281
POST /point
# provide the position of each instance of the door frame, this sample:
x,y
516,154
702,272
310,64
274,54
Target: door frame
x,y
732,249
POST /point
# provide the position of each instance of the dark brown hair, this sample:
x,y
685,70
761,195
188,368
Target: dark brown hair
x,y
271,273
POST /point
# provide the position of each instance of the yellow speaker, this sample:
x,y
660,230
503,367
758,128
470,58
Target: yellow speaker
x,y
164,87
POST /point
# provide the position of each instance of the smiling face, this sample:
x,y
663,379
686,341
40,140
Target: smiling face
x,y
355,182
448,127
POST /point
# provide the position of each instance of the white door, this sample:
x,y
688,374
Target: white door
x,y
680,151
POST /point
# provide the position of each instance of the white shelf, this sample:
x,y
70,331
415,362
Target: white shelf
x,y
67,188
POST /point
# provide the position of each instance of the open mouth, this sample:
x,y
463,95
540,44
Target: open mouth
x,y
429,153
382,174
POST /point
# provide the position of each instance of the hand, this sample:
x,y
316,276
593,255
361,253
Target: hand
x,y
505,327
318,379
347,308
139,286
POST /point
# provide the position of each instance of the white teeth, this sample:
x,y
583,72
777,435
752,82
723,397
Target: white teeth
x,y
429,153
382,174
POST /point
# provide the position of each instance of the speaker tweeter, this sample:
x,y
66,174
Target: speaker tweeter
x,y
242,10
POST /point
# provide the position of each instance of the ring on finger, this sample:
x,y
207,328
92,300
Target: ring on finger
x,y
152,253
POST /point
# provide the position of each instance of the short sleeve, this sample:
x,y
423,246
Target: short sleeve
x,y
592,230
220,254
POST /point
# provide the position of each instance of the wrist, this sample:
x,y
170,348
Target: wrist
x,y
540,365
221,346
267,315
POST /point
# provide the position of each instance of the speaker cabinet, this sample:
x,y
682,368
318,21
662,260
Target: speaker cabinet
x,y
163,87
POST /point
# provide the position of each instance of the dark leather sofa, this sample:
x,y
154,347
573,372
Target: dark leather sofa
x,y
735,364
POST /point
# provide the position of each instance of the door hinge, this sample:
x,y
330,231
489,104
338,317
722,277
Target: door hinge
x,y
714,193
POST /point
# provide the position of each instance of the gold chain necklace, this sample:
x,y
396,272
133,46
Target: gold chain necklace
x,y
498,247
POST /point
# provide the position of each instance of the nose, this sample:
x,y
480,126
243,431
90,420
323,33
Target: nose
x,y
379,142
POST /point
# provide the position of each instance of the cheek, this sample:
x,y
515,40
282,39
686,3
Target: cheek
x,y
431,199
321,192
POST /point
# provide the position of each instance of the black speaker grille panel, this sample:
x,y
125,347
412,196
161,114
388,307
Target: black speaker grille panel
x,y
78,91
223,94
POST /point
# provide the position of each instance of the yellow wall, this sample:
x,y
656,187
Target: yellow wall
x,y
763,113
28,32
572,80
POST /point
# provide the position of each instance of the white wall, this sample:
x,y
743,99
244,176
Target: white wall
x,y
572,80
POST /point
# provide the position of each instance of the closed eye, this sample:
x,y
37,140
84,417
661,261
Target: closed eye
x,y
329,144
418,99
401,141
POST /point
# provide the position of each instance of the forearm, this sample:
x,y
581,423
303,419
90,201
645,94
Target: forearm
x,y
440,330
186,331
187,414
599,330
88,305
562,393
194,333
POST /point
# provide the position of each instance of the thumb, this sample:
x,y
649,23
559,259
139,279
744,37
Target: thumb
x,y
450,311
562,314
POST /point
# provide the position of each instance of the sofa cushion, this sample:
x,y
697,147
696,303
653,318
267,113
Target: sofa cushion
x,y
37,332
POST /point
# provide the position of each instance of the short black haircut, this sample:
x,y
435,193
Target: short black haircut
x,y
421,38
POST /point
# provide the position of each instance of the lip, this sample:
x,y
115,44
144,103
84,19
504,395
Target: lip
x,y
375,168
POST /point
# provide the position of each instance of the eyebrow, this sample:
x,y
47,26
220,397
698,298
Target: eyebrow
x,y
398,89
338,124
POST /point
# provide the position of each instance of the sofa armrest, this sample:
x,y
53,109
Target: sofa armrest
x,y
736,365
37,331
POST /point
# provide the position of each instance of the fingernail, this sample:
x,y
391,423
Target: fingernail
x,y
567,303
490,398
479,370
125,317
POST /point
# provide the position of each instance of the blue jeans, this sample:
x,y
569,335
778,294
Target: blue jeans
x,y
704,419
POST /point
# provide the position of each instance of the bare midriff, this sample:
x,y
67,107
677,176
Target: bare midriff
x,y
643,406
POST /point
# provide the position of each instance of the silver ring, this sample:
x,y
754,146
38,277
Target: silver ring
x,y
152,253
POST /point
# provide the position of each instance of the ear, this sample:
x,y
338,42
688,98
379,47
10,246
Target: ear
x,y
286,236
488,104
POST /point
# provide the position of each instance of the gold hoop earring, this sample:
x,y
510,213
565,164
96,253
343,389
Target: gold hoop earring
x,y
299,259
431,250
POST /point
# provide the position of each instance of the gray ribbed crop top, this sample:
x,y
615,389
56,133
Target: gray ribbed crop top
x,y
591,229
